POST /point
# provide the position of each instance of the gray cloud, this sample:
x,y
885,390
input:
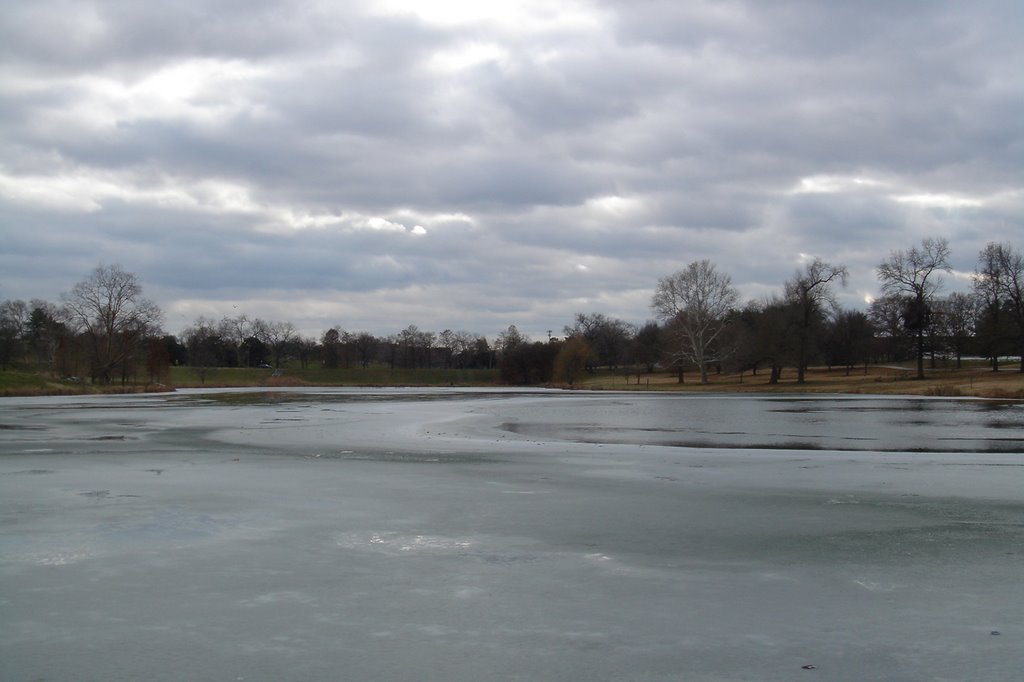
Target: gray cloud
x,y
452,166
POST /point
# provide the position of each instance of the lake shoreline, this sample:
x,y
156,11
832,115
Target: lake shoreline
x,y
974,382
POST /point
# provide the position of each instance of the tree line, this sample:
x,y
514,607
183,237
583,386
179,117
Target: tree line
x,y
105,329
910,320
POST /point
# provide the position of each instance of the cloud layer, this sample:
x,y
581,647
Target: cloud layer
x,y
467,165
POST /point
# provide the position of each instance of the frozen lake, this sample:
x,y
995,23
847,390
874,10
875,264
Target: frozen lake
x,y
486,534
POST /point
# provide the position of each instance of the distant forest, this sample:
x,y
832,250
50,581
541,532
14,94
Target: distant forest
x,y
106,330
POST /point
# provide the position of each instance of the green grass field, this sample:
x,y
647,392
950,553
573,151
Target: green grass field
x,y
32,381
317,376
13,382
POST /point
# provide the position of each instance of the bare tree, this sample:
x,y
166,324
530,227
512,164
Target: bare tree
x,y
958,316
110,310
1000,281
203,342
764,335
609,338
988,286
236,330
255,351
912,273
849,339
330,345
698,299
279,337
810,292
416,347
647,345
447,341
1013,286
510,339
366,347
305,348
464,347
14,317
425,345
45,331
886,315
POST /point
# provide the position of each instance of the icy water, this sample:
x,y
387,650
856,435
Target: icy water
x,y
478,535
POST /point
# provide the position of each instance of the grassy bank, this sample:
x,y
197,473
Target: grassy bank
x,y
971,381
317,376
25,382
15,382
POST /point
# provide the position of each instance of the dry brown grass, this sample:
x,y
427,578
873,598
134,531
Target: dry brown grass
x,y
983,383
284,381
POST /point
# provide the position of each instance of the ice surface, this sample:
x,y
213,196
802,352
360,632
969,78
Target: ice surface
x,y
472,535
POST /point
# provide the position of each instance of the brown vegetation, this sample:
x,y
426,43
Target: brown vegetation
x,y
968,382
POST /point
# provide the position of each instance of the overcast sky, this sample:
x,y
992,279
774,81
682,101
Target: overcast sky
x,y
469,165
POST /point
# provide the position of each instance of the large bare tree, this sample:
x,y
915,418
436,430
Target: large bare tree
x,y
279,336
109,309
696,301
1000,280
203,341
1013,287
958,319
988,286
236,330
810,292
913,274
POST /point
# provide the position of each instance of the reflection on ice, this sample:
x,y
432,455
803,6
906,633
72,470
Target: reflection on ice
x,y
57,558
793,423
395,542
288,596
